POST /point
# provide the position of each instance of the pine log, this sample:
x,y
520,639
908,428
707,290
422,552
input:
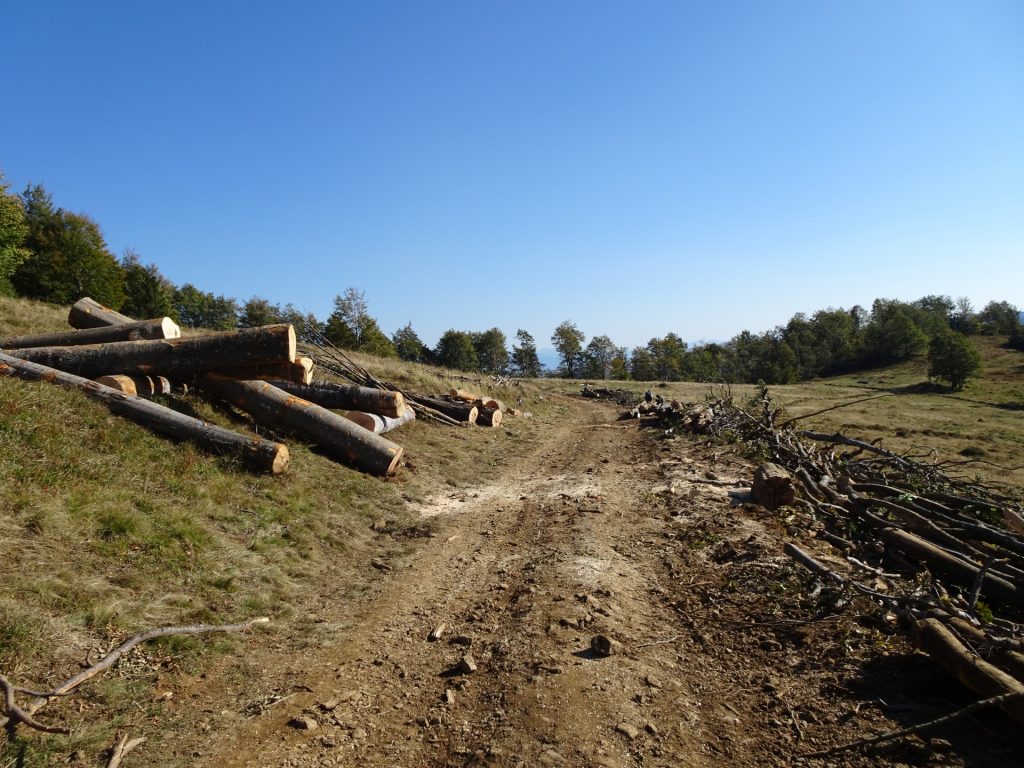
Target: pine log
x,y
463,412
488,417
958,570
86,313
461,394
299,372
971,670
181,357
380,425
263,454
160,328
348,397
773,486
275,408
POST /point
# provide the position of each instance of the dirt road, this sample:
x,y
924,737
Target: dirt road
x,y
718,657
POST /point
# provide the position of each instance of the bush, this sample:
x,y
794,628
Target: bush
x,y
953,358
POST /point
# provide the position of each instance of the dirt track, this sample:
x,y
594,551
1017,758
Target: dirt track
x,y
604,530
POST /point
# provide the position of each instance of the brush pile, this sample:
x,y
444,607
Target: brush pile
x,y
121,362
929,549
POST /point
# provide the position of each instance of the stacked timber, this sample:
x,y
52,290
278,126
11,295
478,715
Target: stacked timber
x,y
133,360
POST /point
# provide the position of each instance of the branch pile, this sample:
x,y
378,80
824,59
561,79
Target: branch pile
x,y
120,362
938,552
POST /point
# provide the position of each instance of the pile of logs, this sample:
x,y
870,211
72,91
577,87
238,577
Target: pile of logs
x,y
121,362
890,518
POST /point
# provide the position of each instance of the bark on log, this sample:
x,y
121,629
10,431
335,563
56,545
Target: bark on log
x,y
959,571
299,372
86,313
463,395
181,357
160,328
264,454
488,417
348,397
380,425
1008,660
773,486
462,412
275,408
974,672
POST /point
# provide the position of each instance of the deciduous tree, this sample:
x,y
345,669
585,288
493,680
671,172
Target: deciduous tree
x,y
568,342
953,358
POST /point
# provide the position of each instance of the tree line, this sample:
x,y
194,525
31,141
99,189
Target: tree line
x,y
51,254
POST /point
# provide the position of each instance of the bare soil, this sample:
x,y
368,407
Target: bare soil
x,y
723,653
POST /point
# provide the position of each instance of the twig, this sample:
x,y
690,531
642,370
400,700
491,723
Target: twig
x,y
795,419
995,701
122,749
979,580
16,714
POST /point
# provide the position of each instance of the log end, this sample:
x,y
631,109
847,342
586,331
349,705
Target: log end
x,y
292,344
473,414
120,382
400,405
169,328
364,420
279,462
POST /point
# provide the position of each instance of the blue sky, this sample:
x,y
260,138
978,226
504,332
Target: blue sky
x,y
639,168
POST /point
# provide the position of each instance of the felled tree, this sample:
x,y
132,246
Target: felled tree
x,y
953,358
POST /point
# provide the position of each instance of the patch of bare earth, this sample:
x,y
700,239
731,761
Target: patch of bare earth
x,y
477,649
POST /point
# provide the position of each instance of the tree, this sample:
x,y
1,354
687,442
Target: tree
x,y
258,311
491,352
13,231
964,319
148,293
524,360
598,358
69,257
668,355
641,364
347,323
194,308
374,341
455,350
409,346
953,358
307,327
892,334
999,318
568,342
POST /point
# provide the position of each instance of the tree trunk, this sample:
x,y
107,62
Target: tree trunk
x,y
275,408
957,570
160,328
773,486
86,313
488,417
348,397
142,386
180,357
299,372
457,411
461,394
973,671
380,424
264,454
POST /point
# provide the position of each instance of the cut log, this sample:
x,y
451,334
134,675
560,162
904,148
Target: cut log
x,y
180,357
161,328
463,412
86,313
380,425
337,436
348,397
971,670
1007,659
488,417
958,570
125,384
264,454
773,486
490,402
463,395
299,372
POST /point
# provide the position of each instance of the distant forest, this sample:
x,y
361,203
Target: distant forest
x,y
51,254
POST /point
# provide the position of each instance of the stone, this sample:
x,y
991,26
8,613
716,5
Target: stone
x,y
303,723
628,730
436,633
604,646
467,665
550,757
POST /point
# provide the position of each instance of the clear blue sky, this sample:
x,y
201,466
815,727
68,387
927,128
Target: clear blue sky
x,y
639,168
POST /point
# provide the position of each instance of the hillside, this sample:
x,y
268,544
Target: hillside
x,y
523,542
